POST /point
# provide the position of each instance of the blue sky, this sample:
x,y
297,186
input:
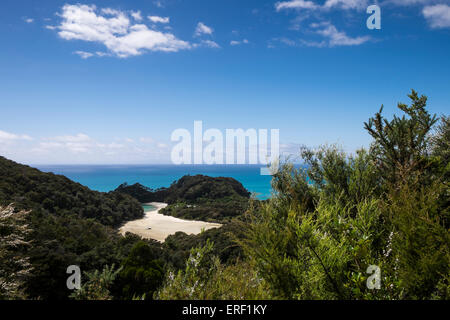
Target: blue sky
x,y
109,81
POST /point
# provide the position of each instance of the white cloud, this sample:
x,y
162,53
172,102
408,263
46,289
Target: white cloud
x,y
347,4
409,2
110,12
146,140
236,42
310,5
80,143
102,54
136,15
438,16
157,19
8,137
203,29
84,54
81,148
114,30
162,145
29,20
334,37
296,4
210,44
81,137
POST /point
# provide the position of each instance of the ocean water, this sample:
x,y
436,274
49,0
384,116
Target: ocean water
x,y
108,177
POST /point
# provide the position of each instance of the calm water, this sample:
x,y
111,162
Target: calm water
x,y
109,177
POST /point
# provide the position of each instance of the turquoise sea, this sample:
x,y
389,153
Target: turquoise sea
x,y
108,177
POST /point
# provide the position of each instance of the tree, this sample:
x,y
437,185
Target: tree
x,y
205,278
141,275
14,264
98,285
400,145
387,207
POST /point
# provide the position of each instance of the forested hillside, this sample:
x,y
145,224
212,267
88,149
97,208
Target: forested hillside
x,y
189,189
47,193
67,224
213,199
63,223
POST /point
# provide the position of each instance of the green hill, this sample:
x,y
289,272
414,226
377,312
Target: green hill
x,y
196,197
47,193
191,189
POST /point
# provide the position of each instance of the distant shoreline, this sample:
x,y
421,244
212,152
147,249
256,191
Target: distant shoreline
x,y
158,227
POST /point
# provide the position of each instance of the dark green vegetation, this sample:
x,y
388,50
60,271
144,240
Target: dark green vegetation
x,y
387,206
189,189
196,198
314,239
141,274
142,193
47,193
70,224
176,248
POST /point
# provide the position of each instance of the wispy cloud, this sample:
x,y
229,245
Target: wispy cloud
x,y
158,3
410,2
238,42
331,37
203,29
347,4
210,44
329,4
157,19
84,54
296,4
9,137
334,37
307,9
438,16
136,15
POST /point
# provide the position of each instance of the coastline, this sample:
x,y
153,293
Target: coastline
x,y
158,227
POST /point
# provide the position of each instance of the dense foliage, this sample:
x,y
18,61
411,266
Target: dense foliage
x,y
205,278
142,193
387,207
58,242
332,224
48,193
72,225
14,264
189,189
177,247
141,273
196,198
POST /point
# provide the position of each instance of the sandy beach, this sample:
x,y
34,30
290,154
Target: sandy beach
x,y
158,226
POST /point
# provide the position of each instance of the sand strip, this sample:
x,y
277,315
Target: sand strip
x,y
158,226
